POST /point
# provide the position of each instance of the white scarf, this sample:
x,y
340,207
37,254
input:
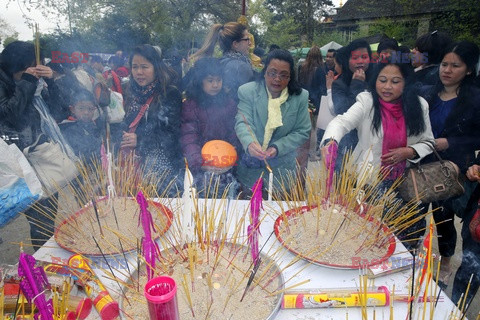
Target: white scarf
x,y
274,116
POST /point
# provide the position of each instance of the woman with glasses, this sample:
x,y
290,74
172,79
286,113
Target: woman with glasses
x,y
272,122
234,41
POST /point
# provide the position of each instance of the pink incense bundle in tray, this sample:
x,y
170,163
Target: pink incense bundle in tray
x,y
149,246
254,228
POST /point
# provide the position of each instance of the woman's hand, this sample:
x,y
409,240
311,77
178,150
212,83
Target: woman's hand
x,y
129,140
330,78
473,173
395,156
43,72
32,71
359,74
441,144
255,150
271,152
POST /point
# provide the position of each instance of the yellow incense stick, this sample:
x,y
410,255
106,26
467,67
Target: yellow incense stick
x,y
462,309
2,299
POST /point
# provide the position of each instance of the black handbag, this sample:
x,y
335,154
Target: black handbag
x,y
430,182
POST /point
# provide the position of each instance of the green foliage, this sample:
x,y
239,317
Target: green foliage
x,y
107,26
461,20
304,13
7,32
110,25
10,39
403,31
284,33
325,37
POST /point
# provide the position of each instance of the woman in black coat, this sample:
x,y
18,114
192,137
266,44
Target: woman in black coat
x,y
470,247
20,121
353,80
455,117
153,113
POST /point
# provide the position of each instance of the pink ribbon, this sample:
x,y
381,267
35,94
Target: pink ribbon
x,y
149,246
330,159
33,286
253,229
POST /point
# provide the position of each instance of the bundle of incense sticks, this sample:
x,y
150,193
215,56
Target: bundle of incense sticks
x,y
92,183
37,44
357,189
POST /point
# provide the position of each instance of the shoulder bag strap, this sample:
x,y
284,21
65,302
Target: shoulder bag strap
x,y
432,146
133,126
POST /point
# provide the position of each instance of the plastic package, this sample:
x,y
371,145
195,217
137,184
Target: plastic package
x,y
335,298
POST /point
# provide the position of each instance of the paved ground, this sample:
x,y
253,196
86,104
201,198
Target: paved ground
x,y
18,231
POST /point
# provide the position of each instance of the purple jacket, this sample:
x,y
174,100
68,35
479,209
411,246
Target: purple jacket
x,y
202,124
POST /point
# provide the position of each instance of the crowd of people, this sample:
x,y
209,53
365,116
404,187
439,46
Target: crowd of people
x,y
386,108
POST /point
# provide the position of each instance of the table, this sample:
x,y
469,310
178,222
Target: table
x,y
320,277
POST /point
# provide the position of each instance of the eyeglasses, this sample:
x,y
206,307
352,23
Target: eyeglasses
x,y
273,75
244,39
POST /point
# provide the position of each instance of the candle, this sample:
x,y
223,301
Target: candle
x,y
270,185
189,193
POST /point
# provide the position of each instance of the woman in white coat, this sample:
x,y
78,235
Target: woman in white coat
x,y
392,123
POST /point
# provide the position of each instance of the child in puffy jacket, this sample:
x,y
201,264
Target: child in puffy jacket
x,y
207,114
82,132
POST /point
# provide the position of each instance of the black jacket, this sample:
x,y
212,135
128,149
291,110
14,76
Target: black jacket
x,y
462,129
344,96
84,138
428,75
317,87
19,120
159,129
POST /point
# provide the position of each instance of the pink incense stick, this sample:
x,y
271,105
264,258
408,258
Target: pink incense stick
x,y
33,286
330,159
103,157
253,229
149,246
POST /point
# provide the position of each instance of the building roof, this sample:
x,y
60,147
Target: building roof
x,y
371,9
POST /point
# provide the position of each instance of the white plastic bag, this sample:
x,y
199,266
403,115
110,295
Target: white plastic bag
x,y
325,113
19,185
115,110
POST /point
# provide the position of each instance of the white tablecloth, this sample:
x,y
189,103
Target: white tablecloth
x,y
320,277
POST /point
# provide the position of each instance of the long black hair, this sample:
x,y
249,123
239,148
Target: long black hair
x,y
203,68
163,73
342,57
433,45
17,56
294,87
468,53
411,106
347,74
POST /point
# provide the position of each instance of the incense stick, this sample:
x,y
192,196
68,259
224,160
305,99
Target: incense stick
x,y
111,270
97,216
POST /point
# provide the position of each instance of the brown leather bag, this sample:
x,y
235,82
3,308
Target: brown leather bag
x,y
435,181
